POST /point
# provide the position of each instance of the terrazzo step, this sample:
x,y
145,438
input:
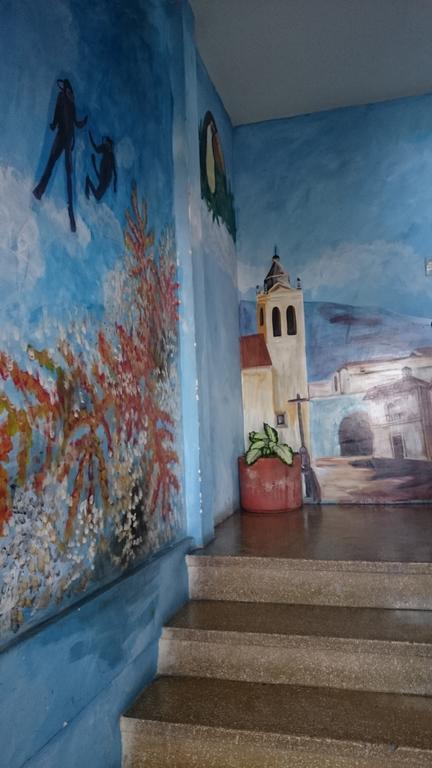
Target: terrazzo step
x,y
184,722
352,583
356,648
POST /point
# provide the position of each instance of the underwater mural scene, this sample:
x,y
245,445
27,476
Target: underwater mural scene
x,y
90,428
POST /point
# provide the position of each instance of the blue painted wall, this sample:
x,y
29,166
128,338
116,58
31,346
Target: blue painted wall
x,y
346,195
217,326
69,668
68,674
183,70
64,686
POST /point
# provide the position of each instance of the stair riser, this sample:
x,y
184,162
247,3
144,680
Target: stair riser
x,y
353,667
151,745
335,588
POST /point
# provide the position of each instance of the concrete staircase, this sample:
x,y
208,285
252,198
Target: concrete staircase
x,y
293,664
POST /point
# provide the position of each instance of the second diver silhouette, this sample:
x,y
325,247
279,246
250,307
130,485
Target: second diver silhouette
x,y
64,123
107,169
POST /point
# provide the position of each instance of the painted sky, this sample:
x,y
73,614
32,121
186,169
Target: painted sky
x,y
347,196
42,264
337,334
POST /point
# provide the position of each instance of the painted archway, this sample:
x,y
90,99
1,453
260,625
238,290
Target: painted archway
x,y
355,435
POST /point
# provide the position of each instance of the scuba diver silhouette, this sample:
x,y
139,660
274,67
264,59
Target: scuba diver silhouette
x,y
64,122
107,169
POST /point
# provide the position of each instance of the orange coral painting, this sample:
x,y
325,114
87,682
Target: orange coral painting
x,y
89,471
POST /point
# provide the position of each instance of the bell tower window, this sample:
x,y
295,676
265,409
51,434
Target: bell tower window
x,y
276,322
291,321
261,317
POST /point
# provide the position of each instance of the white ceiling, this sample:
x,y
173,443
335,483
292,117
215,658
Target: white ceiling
x,y
276,58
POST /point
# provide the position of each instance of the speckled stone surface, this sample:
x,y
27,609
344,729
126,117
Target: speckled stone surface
x,y
316,621
314,582
162,745
302,661
364,649
400,533
299,564
296,726
290,658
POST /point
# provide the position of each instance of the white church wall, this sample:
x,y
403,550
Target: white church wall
x,y
257,389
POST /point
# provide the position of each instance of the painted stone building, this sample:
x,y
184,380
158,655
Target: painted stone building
x,y
357,377
401,417
381,408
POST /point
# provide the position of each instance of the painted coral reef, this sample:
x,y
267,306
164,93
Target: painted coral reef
x,y
89,467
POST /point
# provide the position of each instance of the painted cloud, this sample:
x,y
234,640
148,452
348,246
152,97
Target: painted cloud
x,y
21,259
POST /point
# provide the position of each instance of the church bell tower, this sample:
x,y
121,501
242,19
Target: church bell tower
x,y
280,318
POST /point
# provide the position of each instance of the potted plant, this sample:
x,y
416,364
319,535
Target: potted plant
x,y
270,474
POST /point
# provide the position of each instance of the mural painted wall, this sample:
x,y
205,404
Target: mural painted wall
x,y
219,385
90,458
347,197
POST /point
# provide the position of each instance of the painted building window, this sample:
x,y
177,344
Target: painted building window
x,y
394,411
335,380
291,321
276,322
261,317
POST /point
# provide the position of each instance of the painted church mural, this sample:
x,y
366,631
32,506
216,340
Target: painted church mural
x,y
362,424
346,195
90,459
215,186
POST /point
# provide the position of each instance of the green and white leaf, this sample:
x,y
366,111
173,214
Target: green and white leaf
x,y
263,444
254,436
259,444
271,433
252,455
284,452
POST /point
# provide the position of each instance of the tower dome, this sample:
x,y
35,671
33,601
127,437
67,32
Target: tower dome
x,y
276,274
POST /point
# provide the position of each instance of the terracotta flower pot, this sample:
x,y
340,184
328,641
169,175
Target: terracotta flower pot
x,y
269,485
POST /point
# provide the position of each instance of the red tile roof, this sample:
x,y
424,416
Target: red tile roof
x,y
254,352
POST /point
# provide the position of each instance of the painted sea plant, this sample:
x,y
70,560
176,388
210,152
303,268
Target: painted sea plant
x,y
88,460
